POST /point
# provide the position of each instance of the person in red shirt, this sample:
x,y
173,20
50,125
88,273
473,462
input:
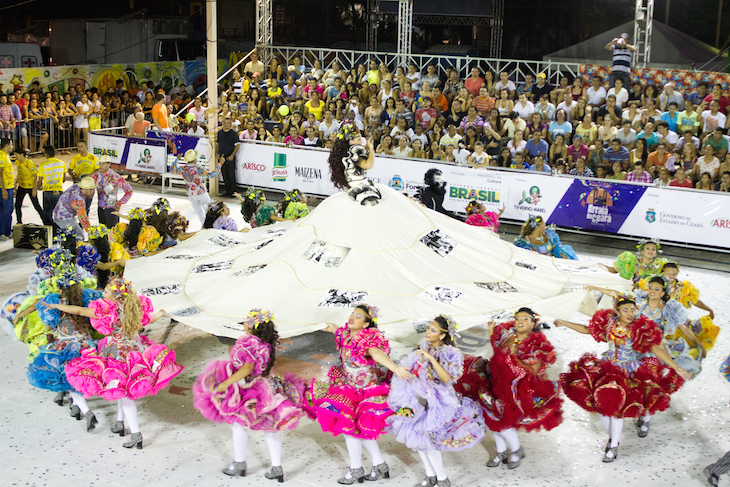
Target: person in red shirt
x,y
426,116
474,82
680,179
657,159
717,94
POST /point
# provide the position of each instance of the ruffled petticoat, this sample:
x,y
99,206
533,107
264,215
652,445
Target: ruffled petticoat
x,y
48,369
262,403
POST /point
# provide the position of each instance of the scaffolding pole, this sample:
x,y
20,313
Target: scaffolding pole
x,y
373,22
495,46
643,20
405,31
264,28
211,30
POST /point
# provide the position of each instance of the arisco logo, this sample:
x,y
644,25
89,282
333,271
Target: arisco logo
x,y
253,166
474,194
650,215
720,223
280,171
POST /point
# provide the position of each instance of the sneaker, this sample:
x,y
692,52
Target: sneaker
x,y
3,238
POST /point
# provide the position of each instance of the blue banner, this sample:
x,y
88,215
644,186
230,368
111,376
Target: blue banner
x,y
596,205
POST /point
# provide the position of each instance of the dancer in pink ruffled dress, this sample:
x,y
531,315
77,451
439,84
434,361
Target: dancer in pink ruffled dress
x,y
241,392
478,216
353,400
125,365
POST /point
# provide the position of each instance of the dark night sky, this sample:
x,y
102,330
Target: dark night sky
x,y
532,27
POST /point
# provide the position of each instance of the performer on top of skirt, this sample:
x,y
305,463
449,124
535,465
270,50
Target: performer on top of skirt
x,y
430,416
353,399
513,387
241,392
536,236
349,160
478,216
125,365
624,382
193,174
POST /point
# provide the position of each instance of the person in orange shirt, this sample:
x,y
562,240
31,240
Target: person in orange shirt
x,y
159,114
440,103
657,159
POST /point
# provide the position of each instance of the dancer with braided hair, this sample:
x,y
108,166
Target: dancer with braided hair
x,y
430,417
350,158
125,365
536,236
352,400
624,382
513,387
242,393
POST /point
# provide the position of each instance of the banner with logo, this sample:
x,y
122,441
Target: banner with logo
x,y
146,157
596,205
179,143
110,145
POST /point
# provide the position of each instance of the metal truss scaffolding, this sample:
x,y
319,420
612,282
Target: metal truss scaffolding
x,y
643,20
405,30
495,46
264,25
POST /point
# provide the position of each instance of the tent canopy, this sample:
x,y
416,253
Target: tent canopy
x,y
670,49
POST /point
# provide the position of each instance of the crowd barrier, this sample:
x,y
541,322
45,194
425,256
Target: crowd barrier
x,y
631,209
679,215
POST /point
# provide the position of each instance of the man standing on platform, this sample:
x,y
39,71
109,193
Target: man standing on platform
x,y
622,53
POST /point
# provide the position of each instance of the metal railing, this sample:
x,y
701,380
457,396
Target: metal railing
x,y
348,59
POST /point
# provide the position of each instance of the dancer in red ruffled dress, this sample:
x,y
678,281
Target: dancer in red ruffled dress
x,y
125,365
242,393
513,388
478,216
624,382
353,399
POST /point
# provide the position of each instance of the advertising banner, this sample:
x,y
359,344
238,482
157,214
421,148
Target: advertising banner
x,y
146,157
110,145
179,143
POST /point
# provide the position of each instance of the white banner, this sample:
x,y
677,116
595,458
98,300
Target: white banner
x,y
111,145
146,158
682,216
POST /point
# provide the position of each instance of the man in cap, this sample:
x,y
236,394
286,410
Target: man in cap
x,y
541,88
107,184
622,53
71,207
194,175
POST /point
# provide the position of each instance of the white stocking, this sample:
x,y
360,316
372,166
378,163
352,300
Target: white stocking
x,y
354,448
438,464
130,413
240,439
374,451
644,427
80,401
606,420
274,441
616,426
120,410
430,472
514,442
500,442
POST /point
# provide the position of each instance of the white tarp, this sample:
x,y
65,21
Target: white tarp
x,y
411,262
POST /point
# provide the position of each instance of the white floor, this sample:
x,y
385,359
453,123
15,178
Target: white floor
x,y
42,446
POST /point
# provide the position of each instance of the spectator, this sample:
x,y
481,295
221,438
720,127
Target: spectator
x,y
504,105
435,152
650,112
535,124
650,138
639,153
453,85
159,114
195,129
668,96
474,82
724,184
621,52
227,149
662,179
461,154
505,83
401,112
140,126
567,105
400,130
580,168
632,114
514,124
524,107
707,164
607,132
492,138
680,179
439,101
414,77
596,93
687,157
538,164
254,65
688,119
665,135
456,114
610,109
526,87
483,103
638,174
688,138
705,182
536,145
617,171
587,130
622,96
671,117
419,135
311,139
577,149
617,153
275,135
559,167
426,116
418,152
329,125
472,120
718,142
294,138
699,95
451,138
626,136
402,150
517,144
518,162
540,89
478,158
657,159
713,118
718,96
558,150
561,125
249,133
386,146
545,109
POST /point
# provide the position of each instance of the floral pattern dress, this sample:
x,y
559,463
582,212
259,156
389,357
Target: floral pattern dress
x,y
552,247
193,175
624,382
512,397
258,402
429,414
353,400
122,366
629,267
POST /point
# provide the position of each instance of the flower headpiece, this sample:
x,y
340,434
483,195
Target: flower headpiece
x,y
66,276
534,221
294,195
472,204
179,224
255,195
643,242
257,316
43,261
348,131
64,234
162,204
623,298
451,326
59,258
534,315
98,231
373,311
120,287
136,214
669,265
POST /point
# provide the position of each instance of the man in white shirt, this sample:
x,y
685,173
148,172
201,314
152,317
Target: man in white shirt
x,y
328,126
401,130
596,93
254,65
627,135
665,135
622,96
668,96
195,129
712,118
452,138
505,83
414,76
567,104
